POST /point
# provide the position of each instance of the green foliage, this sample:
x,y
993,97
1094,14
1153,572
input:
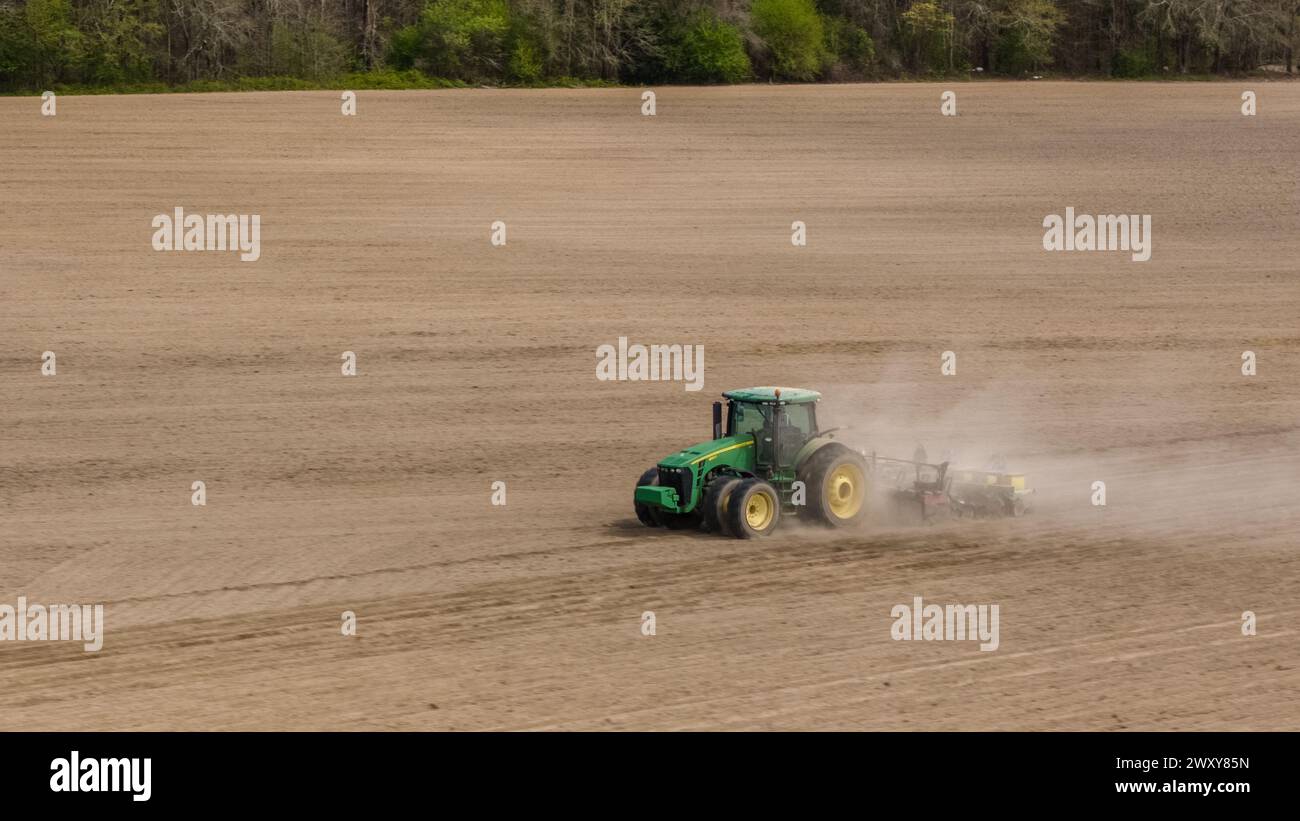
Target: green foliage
x,y
390,79
929,35
528,51
525,62
50,23
707,50
462,39
231,44
850,45
1134,62
793,32
1010,55
15,46
404,48
386,79
116,40
307,51
1028,34
55,42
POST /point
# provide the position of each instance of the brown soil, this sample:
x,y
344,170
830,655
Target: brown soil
x,y
477,364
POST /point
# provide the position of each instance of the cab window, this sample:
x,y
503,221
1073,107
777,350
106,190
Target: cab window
x,y
799,416
747,419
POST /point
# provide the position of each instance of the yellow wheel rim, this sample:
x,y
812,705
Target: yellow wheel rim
x,y
845,490
759,510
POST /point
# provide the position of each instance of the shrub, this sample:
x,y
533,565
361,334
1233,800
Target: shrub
x,y
1010,54
525,62
404,48
792,30
707,50
1134,62
463,39
849,44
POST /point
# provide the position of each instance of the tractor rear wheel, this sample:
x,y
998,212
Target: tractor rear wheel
x,y
837,486
715,504
646,514
753,509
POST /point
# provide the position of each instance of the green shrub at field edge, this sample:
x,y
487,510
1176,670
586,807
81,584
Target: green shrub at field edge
x,y
793,34
707,50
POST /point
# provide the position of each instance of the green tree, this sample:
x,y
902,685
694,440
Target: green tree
x,y
525,63
929,36
116,38
849,44
708,50
793,32
1028,34
55,41
15,48
462,39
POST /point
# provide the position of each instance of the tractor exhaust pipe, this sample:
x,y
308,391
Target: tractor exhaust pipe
x,y
717,420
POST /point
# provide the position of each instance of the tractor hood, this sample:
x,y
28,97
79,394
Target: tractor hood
x,y
728,448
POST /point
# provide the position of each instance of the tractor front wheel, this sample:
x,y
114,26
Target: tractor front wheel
x,y
646,514
715,507
753,509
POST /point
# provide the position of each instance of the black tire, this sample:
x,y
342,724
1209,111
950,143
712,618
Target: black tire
x,y
715,504
647,515
741,509
828,474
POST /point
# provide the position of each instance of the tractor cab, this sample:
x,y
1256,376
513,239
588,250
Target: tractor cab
x,y
781,420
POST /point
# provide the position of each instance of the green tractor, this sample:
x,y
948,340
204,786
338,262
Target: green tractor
x,y
772,461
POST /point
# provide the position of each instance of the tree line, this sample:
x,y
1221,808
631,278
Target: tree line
x,y
400,43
